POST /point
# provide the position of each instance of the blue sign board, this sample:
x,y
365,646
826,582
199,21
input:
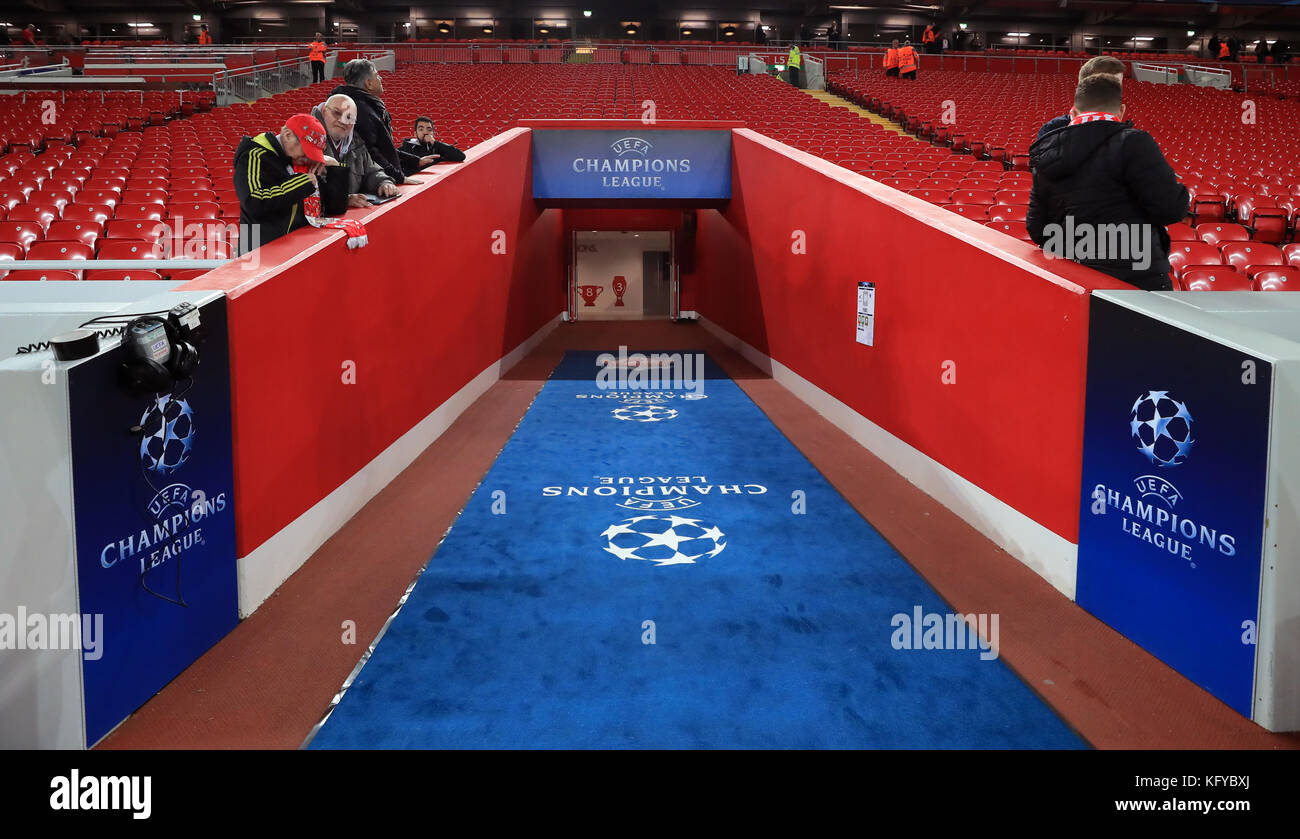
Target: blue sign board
x,y
1171,527
153,489
602,164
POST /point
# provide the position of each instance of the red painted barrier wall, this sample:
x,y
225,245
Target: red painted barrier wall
x,y
418,313
1012,324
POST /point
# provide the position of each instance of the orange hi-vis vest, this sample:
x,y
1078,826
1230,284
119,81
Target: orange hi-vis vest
x,y
906,60
928,36
1223,51
891,58
316,52
205,38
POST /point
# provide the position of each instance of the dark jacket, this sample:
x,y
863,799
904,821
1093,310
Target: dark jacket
x,y
375,127
271,195
1105,173
415,150
362,173
1053,124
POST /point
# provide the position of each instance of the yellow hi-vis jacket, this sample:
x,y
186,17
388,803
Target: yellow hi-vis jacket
x,y
796,58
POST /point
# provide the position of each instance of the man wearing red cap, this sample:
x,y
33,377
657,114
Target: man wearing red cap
x,y
276,174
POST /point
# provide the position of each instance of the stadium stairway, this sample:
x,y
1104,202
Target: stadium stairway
x,y
840,102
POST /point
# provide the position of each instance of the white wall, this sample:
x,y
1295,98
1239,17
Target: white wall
x,y
606,254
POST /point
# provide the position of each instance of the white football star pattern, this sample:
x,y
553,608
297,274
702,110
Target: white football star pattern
x,y
649,413
664,540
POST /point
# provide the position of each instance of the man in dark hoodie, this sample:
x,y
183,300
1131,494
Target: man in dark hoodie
x,y
425,150
374,125
1103,193
271,191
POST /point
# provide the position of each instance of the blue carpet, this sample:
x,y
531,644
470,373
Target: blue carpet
x,y
771,627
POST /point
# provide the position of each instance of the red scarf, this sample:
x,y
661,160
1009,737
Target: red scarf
x,y
357,237
1094,116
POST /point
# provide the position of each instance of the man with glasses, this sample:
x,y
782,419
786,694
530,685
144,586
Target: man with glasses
x,y
339,116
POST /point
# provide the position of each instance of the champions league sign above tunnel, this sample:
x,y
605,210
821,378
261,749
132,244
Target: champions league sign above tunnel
x,y
623,164
1171,524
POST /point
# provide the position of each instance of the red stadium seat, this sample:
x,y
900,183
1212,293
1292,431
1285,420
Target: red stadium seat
x,y
60,250
1012,196
144,196
127,249
1291,253
1008,212
1245,256
976,212
1184,254
35,276
1180,232
140,212
1011,228
21,233
1216,233
1221,278
85,232
44,216
143,275
143,229
88,212
11,251
1278,279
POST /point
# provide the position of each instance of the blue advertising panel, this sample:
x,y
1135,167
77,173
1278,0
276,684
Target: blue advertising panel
x,y
155,530
1175,456
625,164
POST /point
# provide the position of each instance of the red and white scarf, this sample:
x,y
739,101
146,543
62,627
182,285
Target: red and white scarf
x,y
356,231
1093,116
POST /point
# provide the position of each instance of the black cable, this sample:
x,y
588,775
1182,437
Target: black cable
x,y
187,515
104,332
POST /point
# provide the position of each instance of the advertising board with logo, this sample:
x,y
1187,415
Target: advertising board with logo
x,y
1171,525
153,490
625,164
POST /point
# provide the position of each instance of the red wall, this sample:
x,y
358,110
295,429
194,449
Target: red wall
x,y
420,311
948,289
643,219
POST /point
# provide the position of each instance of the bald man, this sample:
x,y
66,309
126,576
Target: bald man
x,y
339,116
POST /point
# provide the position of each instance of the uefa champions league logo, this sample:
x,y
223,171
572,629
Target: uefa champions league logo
x,y
1162,428
646,413
671,540
168,435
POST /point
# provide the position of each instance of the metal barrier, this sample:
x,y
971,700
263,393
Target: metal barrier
x,y
247,84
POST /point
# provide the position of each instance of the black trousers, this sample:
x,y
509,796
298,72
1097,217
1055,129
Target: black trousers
x,y
795,73
910,74
317,71
892,71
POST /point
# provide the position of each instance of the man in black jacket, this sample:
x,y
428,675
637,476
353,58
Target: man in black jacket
x,y
1107,64
271,193
1103,193
374,125
422,150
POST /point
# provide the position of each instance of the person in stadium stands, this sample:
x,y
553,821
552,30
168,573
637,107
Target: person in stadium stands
x,y
928,38
760,34
29,36
1104,64
1225,52
205,38
804,35
907,61
976,44
1102,171
374,126
1261,51
1234,49
339,116
833,36
794,65
1212,48
271,194
422,150
1281,53
891,60
316,55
